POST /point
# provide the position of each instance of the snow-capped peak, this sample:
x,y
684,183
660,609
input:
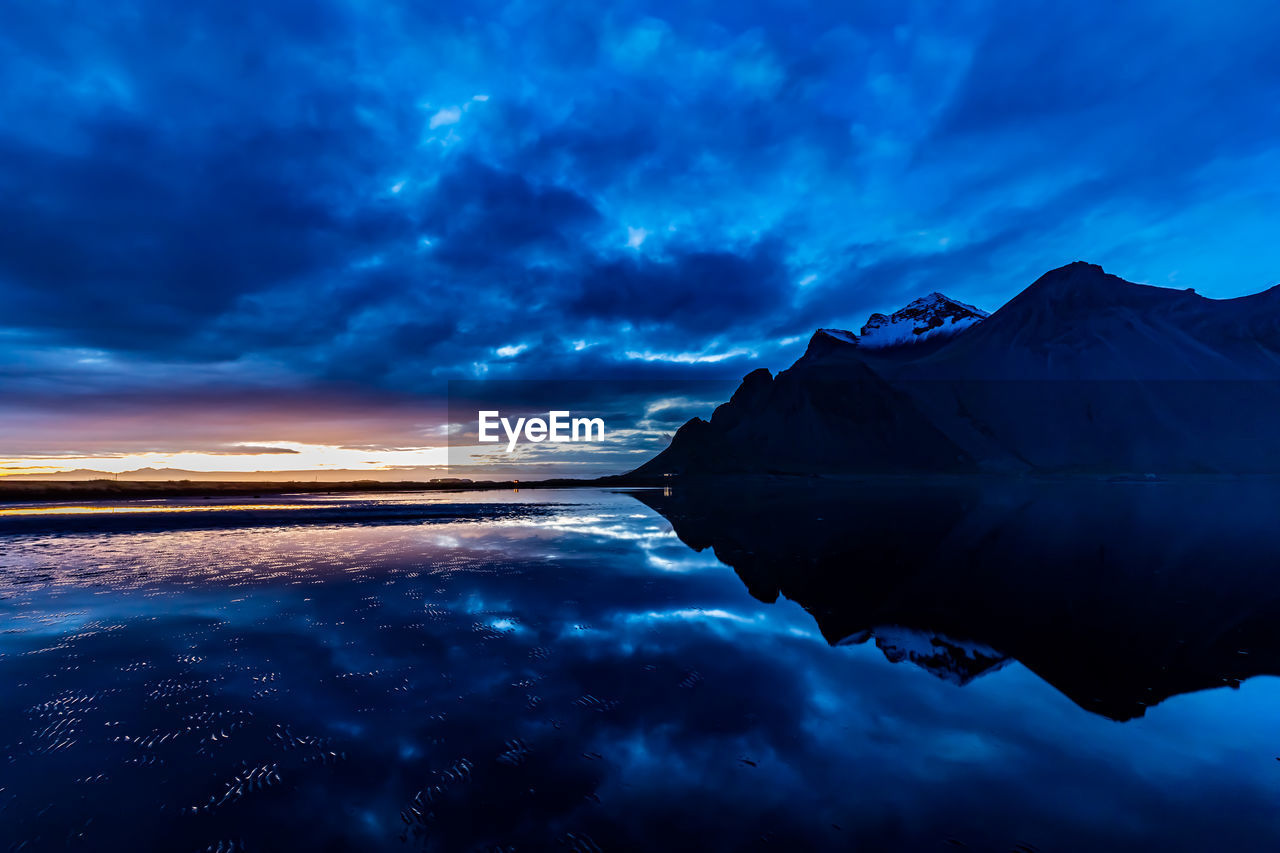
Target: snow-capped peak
x,y
928,317
949,658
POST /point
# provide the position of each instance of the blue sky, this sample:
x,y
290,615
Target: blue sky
x,y
265,224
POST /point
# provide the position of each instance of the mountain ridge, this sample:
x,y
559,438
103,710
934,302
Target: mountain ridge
x,y
1080,372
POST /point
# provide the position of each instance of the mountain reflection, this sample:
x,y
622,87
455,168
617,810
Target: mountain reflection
x,y
1119,595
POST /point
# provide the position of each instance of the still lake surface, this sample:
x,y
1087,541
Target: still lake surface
x,y
1045,668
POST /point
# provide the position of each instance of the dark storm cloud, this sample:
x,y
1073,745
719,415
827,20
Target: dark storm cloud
x,y
323,196
692,289
484,217
137,240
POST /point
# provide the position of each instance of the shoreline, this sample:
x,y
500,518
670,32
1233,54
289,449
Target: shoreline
x,y
47,491
52,491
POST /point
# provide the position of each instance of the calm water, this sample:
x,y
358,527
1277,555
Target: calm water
x,y
1049,668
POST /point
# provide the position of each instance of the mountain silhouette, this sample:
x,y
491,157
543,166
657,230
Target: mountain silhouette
x,y
1081,372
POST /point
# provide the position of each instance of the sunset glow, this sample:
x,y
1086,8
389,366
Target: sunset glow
x,y
136,509
284,457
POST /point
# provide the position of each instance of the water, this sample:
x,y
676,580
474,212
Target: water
x,y
884,668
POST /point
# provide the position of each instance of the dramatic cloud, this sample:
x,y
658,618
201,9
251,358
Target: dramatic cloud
x,y
336,201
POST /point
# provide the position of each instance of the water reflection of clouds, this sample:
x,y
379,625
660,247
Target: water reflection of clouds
x,y
596,694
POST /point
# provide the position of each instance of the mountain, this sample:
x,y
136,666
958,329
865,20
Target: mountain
x,y
928,318
1081,372
1079,322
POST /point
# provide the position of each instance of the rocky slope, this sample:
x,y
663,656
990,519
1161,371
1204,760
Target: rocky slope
x,y
829,411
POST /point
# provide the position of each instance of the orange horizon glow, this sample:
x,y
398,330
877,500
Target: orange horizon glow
x,y
135,509
292,456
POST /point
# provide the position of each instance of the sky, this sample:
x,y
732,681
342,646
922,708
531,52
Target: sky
x,y
266,236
